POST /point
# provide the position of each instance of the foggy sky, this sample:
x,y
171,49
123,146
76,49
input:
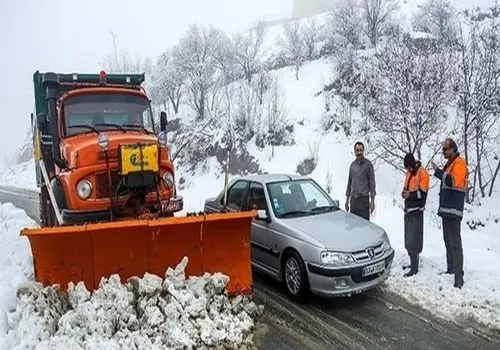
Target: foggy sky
x,y
73,36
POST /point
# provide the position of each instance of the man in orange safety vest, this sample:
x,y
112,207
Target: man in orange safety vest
x,y
454,181
415,190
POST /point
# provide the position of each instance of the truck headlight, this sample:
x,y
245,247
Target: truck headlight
x,y
336,258
168,179
84,189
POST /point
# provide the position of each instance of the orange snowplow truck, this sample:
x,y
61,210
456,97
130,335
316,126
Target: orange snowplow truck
x,y
108,194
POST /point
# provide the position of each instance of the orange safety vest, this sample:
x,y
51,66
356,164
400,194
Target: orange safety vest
x,y
454,182
418,186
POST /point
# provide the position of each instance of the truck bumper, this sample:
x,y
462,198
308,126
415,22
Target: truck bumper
x,y
72,217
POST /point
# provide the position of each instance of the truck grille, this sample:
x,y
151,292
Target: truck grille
x,y
101,184
112,155
362,255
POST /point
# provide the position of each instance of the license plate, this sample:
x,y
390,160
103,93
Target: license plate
x,y
373,269
171,205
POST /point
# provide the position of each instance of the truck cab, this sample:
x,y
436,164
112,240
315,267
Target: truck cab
x,y
98,155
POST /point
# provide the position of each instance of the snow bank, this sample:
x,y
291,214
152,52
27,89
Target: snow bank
x,y
144,313
20,175
16,265
479,298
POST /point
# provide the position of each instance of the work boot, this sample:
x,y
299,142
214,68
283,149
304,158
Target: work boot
x,y
459,281
413,266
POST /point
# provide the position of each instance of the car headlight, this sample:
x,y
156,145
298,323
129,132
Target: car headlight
x,y
84,189
168,179
336,258
387,243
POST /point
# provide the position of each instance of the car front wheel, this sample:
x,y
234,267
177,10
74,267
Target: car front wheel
x,y
295,276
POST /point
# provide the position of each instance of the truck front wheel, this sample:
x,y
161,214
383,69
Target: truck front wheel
x,y
47,214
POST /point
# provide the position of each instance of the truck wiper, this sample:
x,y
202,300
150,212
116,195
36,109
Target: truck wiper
x,y
111,124
84,126
139,126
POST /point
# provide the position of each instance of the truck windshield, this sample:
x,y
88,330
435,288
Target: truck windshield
x,y
100,112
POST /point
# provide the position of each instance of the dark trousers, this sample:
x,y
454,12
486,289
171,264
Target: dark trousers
x,y
361,206
414,232
453,244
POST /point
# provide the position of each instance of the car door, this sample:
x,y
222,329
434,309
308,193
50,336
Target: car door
x,y
262,240
236,196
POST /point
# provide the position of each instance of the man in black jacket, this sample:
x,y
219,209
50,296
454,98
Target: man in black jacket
x,y
414,192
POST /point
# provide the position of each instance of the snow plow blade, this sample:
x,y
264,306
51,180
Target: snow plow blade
x,y
89,252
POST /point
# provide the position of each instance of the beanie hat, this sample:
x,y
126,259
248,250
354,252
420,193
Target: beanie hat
x,y
409,161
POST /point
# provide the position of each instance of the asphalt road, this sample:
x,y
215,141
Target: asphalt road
x,y
374,320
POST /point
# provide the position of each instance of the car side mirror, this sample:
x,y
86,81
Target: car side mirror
x,y
336,203
262,215
163,121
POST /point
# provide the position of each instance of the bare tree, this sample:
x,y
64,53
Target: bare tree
x,y
312,34
276,115
406,94
346,85
377,14
169,80
261,85
478,91
195,56
225,58
124,62
345,20
248,50
292,44
438,17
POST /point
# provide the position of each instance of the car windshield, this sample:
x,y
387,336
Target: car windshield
x,y
299,198
99,112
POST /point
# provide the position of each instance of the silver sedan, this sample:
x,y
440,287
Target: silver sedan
x,y
302,238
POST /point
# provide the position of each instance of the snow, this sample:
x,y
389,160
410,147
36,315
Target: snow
x,y
20,175
479,299
145,313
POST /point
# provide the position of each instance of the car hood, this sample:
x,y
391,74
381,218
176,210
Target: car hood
x,y
338,230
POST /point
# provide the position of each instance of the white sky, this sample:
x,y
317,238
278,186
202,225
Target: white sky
x,y
68,36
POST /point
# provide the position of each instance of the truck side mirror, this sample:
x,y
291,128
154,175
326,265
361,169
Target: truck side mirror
x,y
41,120
163,121
336,203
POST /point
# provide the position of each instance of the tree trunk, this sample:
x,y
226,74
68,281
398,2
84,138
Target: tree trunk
x,y
474,186
478,158
494,178
466,154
